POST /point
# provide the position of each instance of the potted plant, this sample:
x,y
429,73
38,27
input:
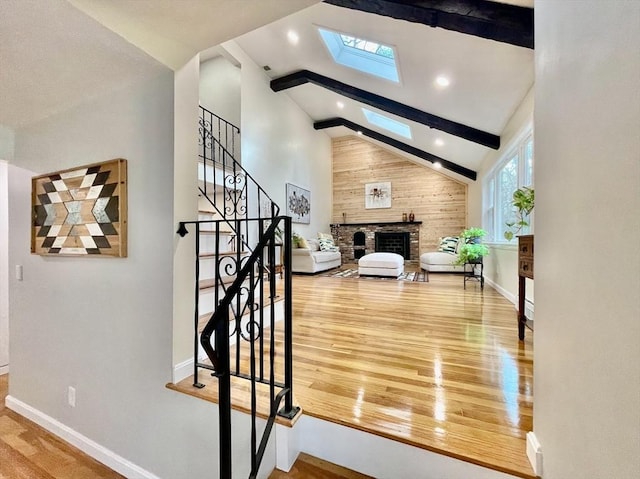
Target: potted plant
x,y
523,201
472,250
473,235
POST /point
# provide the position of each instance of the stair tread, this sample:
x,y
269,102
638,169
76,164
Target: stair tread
x,y
240,395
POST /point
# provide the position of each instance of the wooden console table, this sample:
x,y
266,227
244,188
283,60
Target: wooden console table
x,y
525,270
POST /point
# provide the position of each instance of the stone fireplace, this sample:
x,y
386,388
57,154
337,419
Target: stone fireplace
x,y
357,239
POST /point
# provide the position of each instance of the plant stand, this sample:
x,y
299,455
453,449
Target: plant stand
x,y
471,275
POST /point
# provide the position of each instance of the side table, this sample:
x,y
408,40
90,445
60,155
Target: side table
x,y
472,275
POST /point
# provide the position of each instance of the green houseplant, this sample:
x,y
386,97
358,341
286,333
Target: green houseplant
x,y
472,250
523,202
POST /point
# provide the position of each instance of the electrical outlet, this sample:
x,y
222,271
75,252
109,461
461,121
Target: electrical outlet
x,y
71,396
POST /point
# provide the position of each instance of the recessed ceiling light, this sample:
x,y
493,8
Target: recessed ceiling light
x,y
340,105
359,132
442,81
437,164
438,142
293,37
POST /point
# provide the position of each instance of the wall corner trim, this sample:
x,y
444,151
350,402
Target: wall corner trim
x,y
534,453
86,445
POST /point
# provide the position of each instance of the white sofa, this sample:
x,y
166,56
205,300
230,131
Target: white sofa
x,y
440,261
312,260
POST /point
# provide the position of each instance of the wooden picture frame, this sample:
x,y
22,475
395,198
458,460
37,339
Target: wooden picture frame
x,y
81,211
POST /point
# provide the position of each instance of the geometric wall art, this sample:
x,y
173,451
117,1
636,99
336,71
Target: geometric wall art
x,y
81,211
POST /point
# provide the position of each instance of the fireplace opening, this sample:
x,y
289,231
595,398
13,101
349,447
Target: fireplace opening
x,y
359,240
394,243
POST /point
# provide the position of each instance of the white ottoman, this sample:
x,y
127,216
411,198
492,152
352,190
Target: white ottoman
x,y
381,264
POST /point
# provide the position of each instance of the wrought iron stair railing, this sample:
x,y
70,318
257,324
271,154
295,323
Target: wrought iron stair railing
x,y
246,322
242,323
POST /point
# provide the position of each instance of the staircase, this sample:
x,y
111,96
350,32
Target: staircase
x,y
240,242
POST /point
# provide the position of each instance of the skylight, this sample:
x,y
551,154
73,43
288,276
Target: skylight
x,y
387,123
365,55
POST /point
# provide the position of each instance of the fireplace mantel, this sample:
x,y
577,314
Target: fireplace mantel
x,y
384,223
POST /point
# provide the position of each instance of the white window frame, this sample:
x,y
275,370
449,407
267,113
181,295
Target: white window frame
x,y
491,207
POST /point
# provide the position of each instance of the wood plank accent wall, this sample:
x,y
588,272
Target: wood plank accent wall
x,y
438,201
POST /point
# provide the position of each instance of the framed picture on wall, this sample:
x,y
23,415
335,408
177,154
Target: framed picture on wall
x,y
377,195
298,204
81,211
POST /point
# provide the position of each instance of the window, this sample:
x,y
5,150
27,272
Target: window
x,y
387,123
513,171
365,55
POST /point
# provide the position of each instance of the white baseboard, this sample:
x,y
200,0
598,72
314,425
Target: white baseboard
x,y
4,370
534,453
182,370
86,445
510,297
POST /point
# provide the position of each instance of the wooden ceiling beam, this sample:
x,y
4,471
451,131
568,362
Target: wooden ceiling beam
x,y
492,20
386,104
335,122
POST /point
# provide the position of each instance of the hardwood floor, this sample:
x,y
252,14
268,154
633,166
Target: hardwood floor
x,y
29,452
427,364
309,467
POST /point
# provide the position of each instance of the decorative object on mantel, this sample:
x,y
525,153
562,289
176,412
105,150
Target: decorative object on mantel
x,y
81,211
298,204
523,202
404,217
377,195
412,217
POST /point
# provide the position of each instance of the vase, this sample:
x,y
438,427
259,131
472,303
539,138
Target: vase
x,y
404,217
412,217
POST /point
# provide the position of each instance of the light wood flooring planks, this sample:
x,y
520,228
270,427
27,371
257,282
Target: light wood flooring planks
x,y
29,452
427,364
309,467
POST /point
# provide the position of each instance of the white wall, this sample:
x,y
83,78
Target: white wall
x,y
220,88
7,140
4,266
104,326
185,193
587,146
279,145
501,266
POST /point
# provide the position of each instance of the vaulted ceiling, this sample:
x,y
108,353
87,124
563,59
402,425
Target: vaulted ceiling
x,y
456,125
57,53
